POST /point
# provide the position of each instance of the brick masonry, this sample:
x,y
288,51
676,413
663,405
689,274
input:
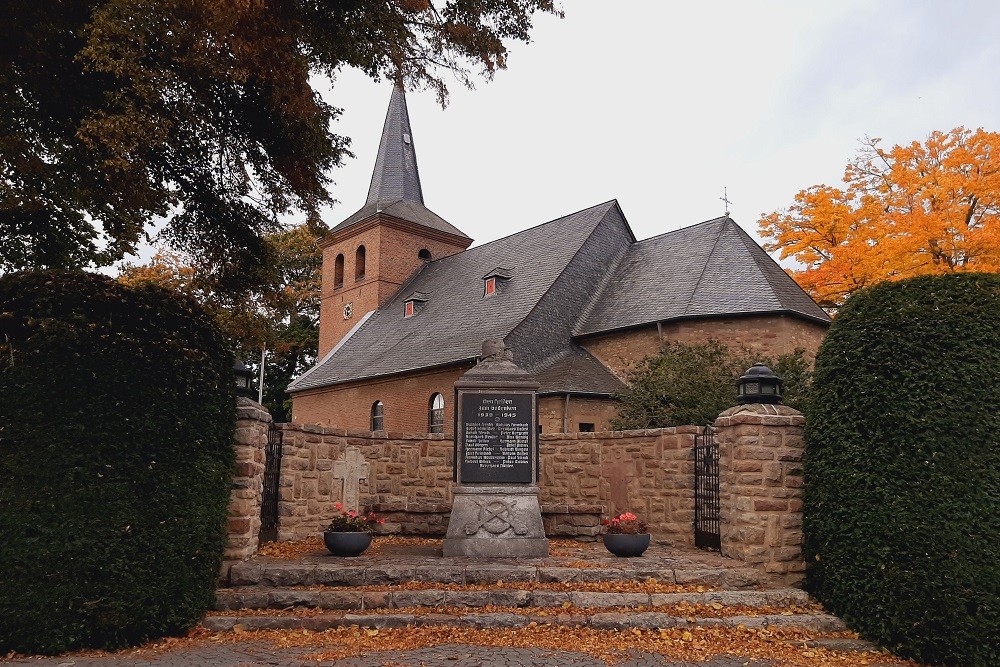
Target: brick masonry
x,y
391,257
761,449
406,397
405,400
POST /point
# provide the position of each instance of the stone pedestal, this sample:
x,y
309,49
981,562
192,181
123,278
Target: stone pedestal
x,y
496,522
495,513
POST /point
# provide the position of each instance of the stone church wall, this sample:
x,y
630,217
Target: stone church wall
x,y
596,412
770,335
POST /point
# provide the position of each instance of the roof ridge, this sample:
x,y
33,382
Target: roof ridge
x,y
601,286
753,247
568,262
541,224
708,260
684,229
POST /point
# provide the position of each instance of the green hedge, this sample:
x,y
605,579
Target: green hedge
x,y
902,496
116,433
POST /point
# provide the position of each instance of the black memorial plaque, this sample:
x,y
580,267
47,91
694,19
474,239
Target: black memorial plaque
x,y
497,431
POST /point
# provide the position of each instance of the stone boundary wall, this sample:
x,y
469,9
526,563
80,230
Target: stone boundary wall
x,y
582,476
252,426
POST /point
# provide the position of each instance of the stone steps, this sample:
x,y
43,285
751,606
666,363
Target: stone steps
x,y
607,620
411,584
277,574
358,599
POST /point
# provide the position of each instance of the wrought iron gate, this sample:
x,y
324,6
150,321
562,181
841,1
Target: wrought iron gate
x,y
706,490
272,474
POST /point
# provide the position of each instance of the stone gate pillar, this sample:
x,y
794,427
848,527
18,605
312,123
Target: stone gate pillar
x,y
252,425
760,487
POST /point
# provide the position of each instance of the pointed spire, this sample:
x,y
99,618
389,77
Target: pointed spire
x,y
396,177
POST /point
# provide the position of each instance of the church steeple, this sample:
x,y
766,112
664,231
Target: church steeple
x,y
371,254
396,176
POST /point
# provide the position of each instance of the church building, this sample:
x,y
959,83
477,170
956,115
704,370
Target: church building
x,y
406,304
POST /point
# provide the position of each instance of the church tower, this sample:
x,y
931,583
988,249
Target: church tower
x,y
368,256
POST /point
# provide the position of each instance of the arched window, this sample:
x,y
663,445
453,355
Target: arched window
x,y
424,254
378,416
359,263
338,272
435,418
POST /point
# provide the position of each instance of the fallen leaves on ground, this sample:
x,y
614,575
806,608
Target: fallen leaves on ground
x,y
783,646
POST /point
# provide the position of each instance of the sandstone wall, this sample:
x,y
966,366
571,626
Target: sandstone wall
x,y
582,476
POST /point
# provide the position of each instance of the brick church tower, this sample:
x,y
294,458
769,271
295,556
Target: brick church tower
x,y
368,256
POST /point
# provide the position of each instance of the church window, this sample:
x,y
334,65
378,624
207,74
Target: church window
x,y
359,263
586,427
424,254
435,419
338,272
378,416
491,286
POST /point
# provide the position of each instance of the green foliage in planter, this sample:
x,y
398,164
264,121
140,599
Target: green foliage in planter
x,y
902,497
692,384
116,433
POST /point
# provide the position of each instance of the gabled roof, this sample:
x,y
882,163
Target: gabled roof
x,y
456,318
710,269
395,186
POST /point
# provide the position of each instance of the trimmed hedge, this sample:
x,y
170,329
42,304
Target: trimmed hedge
x,y
116,433
902,494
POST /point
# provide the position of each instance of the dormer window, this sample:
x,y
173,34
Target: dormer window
x,y
413,304
495,280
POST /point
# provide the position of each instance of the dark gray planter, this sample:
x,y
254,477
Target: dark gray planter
x,y
347,544
626,546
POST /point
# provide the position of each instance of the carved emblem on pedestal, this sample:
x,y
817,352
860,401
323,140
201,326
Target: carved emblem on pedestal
x,y
497,517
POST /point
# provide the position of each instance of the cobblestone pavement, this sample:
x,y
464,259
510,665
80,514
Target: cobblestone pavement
x,y
250,654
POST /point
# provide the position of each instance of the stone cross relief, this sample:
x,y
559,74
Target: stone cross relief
x,y
351,469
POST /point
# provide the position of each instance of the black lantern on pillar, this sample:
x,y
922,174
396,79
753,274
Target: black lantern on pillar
x,y
758,385
244,380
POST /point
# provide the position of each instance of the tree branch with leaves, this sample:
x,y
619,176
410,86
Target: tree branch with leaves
x,y
930,207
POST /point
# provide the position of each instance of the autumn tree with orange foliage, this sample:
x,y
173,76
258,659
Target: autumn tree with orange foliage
x,y
920,209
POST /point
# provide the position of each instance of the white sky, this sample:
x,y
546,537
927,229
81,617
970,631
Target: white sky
x,y
662,104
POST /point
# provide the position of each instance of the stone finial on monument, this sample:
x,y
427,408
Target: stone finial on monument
x,y
495,512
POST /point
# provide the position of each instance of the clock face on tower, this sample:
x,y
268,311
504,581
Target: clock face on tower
x,y
348,310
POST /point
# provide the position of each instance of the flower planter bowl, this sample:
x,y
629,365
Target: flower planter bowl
x,y
347,544
626,546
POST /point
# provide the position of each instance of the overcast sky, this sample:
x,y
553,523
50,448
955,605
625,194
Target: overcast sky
x,y
661,105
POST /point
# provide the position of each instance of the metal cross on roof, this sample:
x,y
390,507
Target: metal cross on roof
x,y
725,199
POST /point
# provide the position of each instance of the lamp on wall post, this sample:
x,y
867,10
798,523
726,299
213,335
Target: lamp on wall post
x,y
244,380
758,385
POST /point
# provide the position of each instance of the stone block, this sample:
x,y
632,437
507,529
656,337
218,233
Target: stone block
x,y
340,600
286,599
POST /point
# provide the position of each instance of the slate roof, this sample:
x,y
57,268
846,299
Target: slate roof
x,y
456,317
395,185
709,269
576,372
